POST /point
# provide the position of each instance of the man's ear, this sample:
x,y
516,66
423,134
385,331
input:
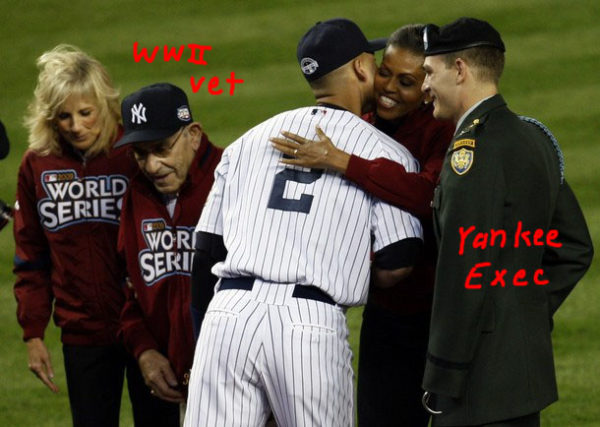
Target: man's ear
x,y
195,130
359,65
461,69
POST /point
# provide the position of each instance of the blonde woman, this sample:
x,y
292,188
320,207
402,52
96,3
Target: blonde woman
x,y
69,194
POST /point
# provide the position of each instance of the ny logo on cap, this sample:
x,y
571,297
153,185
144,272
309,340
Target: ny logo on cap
x,y
309,65
138,113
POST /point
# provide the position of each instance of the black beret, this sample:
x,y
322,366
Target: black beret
x,y
463,33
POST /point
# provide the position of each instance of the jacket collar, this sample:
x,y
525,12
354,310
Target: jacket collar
x,y
481,110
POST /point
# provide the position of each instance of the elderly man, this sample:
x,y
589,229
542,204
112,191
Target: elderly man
x,y
156,236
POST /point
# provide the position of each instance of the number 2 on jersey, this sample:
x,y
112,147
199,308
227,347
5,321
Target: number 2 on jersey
x,y
277,201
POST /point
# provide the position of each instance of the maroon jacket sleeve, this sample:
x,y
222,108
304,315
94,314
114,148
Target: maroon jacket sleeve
x,y
136,336
33,286
389,180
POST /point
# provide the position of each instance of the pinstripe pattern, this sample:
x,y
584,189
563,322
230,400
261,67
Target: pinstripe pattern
x,y
328,247
264,350
262,343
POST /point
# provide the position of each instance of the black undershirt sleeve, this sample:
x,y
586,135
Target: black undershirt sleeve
x,y
210,249
403,253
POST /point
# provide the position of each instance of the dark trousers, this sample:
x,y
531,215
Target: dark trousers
x,y
531,420
95,383
391,362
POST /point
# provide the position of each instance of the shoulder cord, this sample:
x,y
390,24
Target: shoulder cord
x,y
561,159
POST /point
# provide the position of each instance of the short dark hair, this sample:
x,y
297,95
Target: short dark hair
x,y
409,37
487,61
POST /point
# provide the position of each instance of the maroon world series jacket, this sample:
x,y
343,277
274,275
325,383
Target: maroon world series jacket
x,y
158,250
65,228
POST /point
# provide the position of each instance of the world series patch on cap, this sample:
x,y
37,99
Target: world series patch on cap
x,y
154,112
330,44
464,33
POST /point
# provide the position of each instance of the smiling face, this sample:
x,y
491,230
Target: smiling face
x,y
398,83
77,121
167,162
441,86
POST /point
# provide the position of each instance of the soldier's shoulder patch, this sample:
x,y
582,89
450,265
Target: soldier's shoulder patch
x,y
465,142
462,160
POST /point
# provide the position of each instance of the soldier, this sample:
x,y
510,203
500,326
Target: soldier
x,y
489,358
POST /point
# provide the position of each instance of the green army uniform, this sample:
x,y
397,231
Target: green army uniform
x,y
490,350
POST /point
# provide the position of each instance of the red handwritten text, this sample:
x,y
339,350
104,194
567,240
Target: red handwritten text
x,y
518,278
482,240
498,238
196,57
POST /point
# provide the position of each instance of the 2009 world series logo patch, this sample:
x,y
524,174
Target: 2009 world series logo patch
x,y
169,250
72,200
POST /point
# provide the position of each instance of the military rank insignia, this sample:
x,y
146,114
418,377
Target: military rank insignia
x,y
462,160
470,127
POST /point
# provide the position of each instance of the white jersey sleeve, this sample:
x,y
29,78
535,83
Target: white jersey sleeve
x,y
389,223
211,219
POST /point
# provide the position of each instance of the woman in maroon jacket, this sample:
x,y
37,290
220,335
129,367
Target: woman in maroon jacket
x,y
69,192
395,326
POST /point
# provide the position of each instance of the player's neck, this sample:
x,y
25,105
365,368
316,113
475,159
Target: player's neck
x,y
342,102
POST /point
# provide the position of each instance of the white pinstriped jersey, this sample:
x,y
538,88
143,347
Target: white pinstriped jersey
x,y
288,224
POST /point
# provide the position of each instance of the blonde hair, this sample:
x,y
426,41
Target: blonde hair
x,y
65,71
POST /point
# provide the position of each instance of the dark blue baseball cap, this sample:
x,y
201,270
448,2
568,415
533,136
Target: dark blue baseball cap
x,y
330,44
464,33
154,112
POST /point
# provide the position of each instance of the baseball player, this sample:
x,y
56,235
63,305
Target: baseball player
x,y
156,237
294,249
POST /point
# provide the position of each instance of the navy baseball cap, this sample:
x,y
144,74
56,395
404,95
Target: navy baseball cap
x,y
330,44
464,33
154,112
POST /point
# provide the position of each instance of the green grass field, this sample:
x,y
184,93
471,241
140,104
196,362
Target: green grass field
x,y
553,53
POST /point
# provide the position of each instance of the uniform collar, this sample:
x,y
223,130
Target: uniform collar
x,y
478,110
466,113
333,106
